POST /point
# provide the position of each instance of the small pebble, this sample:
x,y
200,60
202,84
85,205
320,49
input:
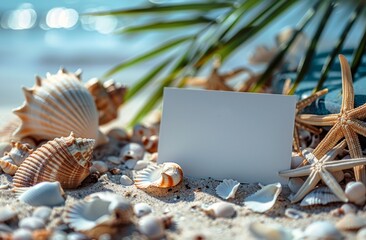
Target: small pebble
x,y
99,166
132,151
22,234
152,227
115,171
361,234
322,230
295,213
220,210
125,180
7,214
31,223
58,235
114,159
77,236
130,164
142,209
5,228
140,165
43,213
118,133
356,192
296,160
351,222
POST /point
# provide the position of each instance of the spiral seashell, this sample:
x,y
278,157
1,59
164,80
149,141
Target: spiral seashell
x,y
108,97
65,159
227,188
57,105
166,175
11,160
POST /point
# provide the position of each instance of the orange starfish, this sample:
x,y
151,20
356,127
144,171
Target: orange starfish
x,y
346,124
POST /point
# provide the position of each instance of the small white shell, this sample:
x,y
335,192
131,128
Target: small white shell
x,y
351,222
42,194
152,227
99,166
32,223
6,214
263,199
356,192
322,230
295,213
319,196
125,180
165,175
142,209
269,231
132,151
43,213
220,210
295,184
227,188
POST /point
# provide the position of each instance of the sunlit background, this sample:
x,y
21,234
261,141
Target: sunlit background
x,y
40,36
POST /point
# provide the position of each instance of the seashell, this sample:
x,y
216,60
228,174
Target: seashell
x,y
119,134
65,159
31,223
270,231
140,131
348,208
141,165
42,194
43,213
99,166
295,184
319,196
132,151
57,105
361,235
108,96
166,175
99,213
356,192
130,164
4,147
11,160
263,199
220,210
142,209
58,235
150,143
7,214
322,230
295,213
351,222
152,227
22,234
125,180
227,188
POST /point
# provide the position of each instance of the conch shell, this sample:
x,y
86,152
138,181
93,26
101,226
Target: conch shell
x,y
57,105
11,160
108,97
66,160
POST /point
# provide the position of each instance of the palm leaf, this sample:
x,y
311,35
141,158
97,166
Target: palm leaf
x,y
357,58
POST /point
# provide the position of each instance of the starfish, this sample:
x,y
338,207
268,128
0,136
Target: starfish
x,y
346,124
299,124
322,169
216,81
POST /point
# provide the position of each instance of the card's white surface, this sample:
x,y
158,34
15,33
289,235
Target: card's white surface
x,y
217,134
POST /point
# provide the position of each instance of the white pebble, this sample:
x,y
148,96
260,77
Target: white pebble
x,y
130,164
356,192
125,180
220,209
142,209
152,227
114,159
322,230
6,214
141,165
43,213
31,223
100,166
77,236
22,234
361,234
58,235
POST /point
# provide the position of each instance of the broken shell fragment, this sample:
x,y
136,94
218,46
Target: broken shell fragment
x,y
152,227
356,192
11,160
351,222
132,151
57,105
166,175
220,210
43,194
142,209
227,188
65,159
263,199
270,231
319,196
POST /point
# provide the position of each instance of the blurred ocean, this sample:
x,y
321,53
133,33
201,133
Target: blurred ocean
x,y
39,36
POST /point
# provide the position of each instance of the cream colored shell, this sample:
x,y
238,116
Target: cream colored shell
x,y
57,105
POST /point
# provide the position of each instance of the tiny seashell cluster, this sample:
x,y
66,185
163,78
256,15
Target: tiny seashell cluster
x,y
264,199
11,160
166,175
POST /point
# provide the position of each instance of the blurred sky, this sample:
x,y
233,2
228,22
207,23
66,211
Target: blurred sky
x,y
39,36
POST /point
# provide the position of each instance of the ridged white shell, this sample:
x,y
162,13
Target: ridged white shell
x,y
270,231
65,159
220,210
227,188
43,194
57,105
319,196
165,175
102,209
263,199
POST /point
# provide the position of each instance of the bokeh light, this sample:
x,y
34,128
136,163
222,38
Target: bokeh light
x,y
62,18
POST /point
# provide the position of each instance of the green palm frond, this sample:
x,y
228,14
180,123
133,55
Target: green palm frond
x,y
224,27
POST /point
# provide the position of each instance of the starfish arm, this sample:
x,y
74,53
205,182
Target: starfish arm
x,y
308,185
329,156
332,183
358,113
307,127
359,127
307,101
339,165
329,141
296,140
353,142
310,157
297,172
347,85
318,120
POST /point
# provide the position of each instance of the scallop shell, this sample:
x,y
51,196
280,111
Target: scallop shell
x,y
166,175
108,97
227,188
270,231
11,160
356,192
65,159
220,210
319,196
43,194
99,213
57,105
264,199
351,222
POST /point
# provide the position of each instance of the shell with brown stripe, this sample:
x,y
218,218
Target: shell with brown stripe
x,y
65,159
167,175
